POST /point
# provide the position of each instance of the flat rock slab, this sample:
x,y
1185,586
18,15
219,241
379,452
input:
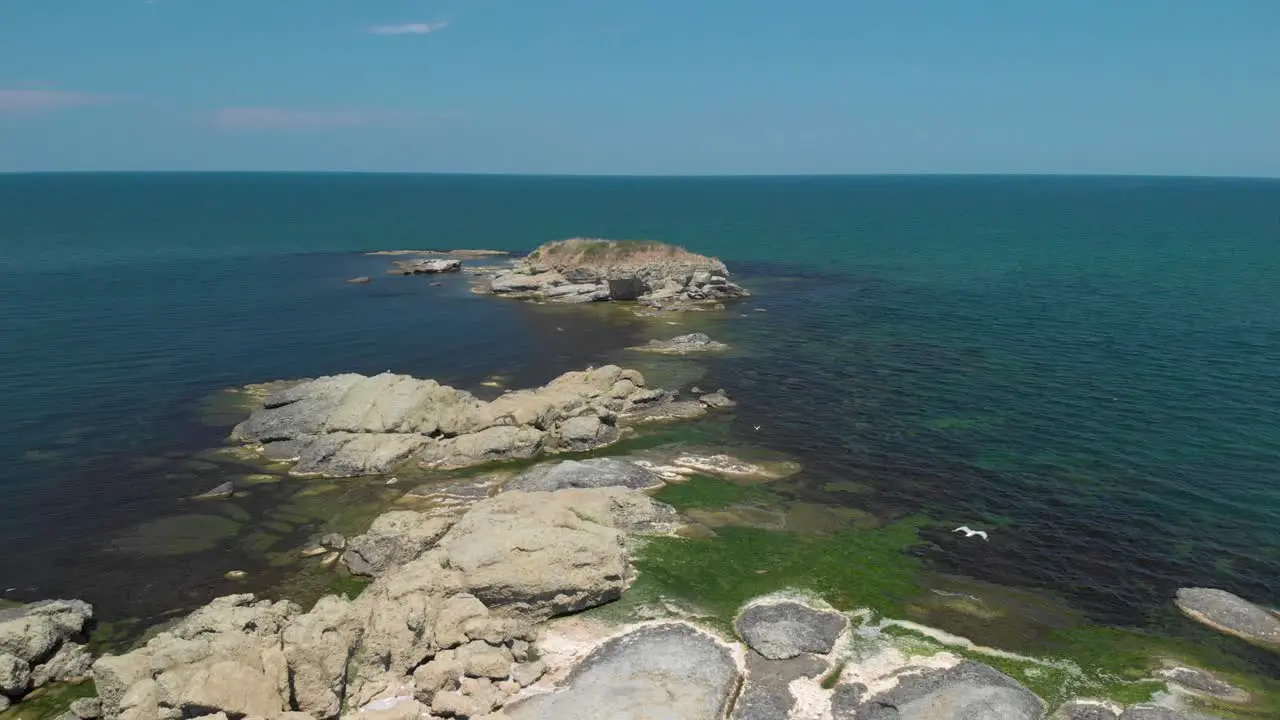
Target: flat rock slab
x,y
783,630
659,672
1231,614
968,691
767,693
593,473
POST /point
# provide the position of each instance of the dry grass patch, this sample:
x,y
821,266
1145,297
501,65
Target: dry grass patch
x,y
597,253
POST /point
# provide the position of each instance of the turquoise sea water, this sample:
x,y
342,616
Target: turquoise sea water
x,y
1085,366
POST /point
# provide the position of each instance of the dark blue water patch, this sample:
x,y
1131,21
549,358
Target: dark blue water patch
x,y
1114,453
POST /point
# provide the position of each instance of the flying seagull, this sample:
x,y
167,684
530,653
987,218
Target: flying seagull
x,y
757,427
969,532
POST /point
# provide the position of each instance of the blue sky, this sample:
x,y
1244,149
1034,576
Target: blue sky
x,y
646,87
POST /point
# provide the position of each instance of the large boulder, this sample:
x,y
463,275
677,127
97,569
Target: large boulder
x,y
350,425
393,539
542,553
660,671
780,630
174,671
318,647
591,473
968,691
1231,614
1085,710
38,645
233,688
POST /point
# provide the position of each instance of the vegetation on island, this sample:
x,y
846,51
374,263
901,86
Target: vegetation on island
x,y
573,253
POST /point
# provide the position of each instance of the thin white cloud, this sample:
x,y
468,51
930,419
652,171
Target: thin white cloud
x,y
418,28
270,118
25,102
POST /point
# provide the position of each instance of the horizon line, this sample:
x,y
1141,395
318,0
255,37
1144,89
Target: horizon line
x,y
658,176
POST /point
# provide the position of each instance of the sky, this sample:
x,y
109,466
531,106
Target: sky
x,y
704,87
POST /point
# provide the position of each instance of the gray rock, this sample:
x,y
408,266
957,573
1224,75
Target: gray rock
x,y
4,703
334,541
317,647
72,663
351,425
15,675
846,702
540,553
629,288
428,266
1203,682
393,539
359,280
968,691
662,671
684,345
766,694
782,630
591,473
87,708
1231,614
718,400
34,632
221,492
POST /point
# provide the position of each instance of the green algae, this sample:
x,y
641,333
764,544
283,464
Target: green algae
x,y
703,491
49,701
850,569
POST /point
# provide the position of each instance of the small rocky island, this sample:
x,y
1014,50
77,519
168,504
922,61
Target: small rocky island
x,y
584,270
351,425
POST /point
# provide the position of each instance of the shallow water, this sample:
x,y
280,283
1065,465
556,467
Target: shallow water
x,y
1084,367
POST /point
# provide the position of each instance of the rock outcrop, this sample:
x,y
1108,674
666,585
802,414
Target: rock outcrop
x,y
41,643
351,425
683,345
781,630
592,473
968,691
660,671
427,266
447,625
586,270
1231,614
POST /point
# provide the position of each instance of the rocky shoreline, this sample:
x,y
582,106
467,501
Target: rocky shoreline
x,y
477,614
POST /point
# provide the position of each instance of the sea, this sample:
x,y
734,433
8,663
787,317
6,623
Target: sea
x,y
1087,367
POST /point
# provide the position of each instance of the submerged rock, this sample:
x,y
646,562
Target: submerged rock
x,y
588,270
359,280
683,345
595,472
780,630
663,671
1231,614
1203,682
221,492
351,425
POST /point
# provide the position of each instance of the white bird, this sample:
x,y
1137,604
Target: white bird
x,y
969,532
757,427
